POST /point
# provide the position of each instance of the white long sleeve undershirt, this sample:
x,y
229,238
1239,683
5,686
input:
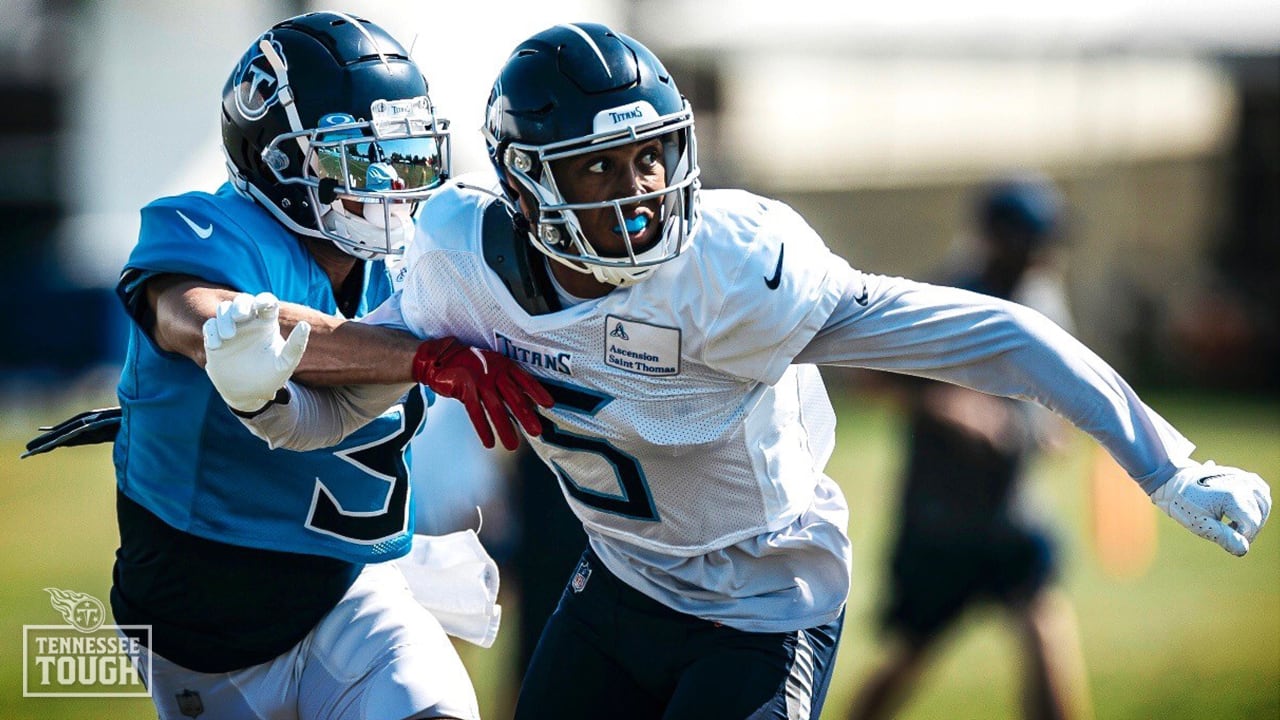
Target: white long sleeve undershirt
x,y
1001,348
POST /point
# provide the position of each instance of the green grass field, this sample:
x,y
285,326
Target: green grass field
x,y
1197,636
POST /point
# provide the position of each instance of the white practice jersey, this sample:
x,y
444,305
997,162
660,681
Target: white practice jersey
x,y
686,442
689,434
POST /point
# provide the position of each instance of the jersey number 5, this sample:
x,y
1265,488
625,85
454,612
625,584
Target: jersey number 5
x,y
634,499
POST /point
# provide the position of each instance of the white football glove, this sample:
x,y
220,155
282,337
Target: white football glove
x,y
246,358
1224,504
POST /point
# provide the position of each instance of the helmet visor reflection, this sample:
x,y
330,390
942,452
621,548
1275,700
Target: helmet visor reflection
x,y
365,164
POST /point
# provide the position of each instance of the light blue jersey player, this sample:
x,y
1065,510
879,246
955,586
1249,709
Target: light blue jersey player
x,y
262,572
679,330
171,456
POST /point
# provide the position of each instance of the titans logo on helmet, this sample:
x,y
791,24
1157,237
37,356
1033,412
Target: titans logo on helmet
x,y
258,87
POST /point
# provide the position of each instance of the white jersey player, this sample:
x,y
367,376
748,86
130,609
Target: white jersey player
x,y
678,331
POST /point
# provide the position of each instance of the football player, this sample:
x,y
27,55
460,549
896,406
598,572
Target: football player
x,y
678,331
261,573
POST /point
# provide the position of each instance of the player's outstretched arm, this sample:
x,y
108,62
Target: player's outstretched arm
x,y
1222,504
250,363
1002,348
339,352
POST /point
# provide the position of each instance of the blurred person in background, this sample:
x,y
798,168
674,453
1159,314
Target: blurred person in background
x,y
264,574
966,534
678,330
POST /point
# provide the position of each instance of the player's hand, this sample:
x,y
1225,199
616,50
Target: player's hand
x,y
246,358
491,386
1224,504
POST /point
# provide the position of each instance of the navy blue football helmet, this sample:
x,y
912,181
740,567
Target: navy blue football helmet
x,y
574,89
327,107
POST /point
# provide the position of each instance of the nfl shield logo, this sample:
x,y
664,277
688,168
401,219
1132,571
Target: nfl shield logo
x,y
189,703
580,577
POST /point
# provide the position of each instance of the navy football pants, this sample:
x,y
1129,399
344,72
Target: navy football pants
x,y
609,651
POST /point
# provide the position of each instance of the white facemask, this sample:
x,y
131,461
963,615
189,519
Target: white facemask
x,y
374,236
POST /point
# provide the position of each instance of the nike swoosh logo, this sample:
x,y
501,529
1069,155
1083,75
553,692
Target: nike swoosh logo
x,y
864,297
773,282
202,232
1204,481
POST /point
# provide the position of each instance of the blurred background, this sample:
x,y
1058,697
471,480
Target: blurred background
x,y
1158,120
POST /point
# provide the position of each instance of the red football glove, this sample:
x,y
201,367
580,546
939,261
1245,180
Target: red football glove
x,y
488,384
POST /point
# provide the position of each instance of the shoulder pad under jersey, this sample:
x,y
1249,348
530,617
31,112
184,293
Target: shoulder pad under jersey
x,y
508,253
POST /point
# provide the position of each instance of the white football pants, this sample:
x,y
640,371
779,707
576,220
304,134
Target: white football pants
x,y
378,655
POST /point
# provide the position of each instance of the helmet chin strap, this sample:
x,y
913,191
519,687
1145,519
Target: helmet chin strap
x,y
285,92
624,276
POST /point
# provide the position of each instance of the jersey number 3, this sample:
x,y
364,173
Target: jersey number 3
x,y
384,460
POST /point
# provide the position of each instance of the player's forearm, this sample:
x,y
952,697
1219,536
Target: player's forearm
x,y
180,305
339,353
999,348
321,417
248,362
1055,370
351,353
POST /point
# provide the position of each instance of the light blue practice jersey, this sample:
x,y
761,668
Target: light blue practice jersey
x,y
183,455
